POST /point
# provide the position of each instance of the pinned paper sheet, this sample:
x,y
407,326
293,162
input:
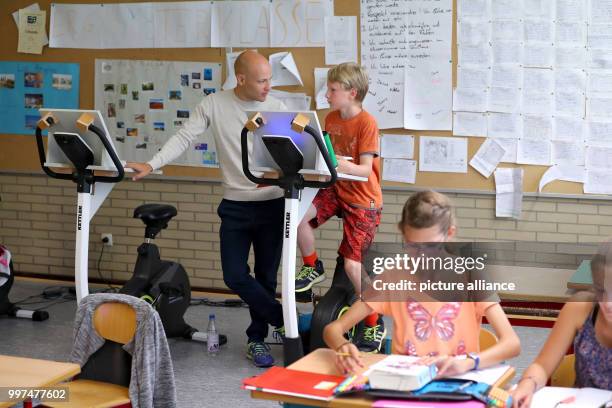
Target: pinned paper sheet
x,y
598,182
401,170
397,146
508,192
230,59
32,34
320,75
488,157
31,7
340,39
284,70
294,101
443,154
576,174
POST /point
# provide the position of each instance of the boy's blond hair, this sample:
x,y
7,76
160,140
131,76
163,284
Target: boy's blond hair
x,y
350,76
426,209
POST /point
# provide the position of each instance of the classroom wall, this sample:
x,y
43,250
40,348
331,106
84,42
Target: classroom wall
x,y
37,224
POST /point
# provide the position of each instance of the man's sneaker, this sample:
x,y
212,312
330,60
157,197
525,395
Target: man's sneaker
x,y
370,339
308,276
259,352
278,334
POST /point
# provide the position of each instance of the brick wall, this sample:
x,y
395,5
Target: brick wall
x,y
37,223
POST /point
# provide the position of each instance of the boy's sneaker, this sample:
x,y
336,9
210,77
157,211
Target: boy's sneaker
x,y
259,352
308,276
278,334
370,339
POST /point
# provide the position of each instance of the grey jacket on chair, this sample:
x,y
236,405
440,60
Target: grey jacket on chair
x,y
152,375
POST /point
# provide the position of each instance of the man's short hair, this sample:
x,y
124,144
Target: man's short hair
x,y
350,76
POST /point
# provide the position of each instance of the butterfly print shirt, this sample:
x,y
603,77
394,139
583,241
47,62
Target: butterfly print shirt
x,y
432,328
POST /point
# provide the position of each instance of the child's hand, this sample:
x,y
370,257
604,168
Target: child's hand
x,y
448,366
347,358
522,394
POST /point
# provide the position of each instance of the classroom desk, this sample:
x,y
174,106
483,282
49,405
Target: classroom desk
x,y
33,373
322,361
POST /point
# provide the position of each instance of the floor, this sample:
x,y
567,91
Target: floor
x,y
201,380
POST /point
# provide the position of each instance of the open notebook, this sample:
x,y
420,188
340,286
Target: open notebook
x,y
548,397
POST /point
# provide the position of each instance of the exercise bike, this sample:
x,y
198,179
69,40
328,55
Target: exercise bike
x,y
290,152
165,284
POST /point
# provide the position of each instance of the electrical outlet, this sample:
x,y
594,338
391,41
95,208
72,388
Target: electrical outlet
x,y
107,239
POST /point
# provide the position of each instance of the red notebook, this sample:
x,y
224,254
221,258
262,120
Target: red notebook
x,y
304,384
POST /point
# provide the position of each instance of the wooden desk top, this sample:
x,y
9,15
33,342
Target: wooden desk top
x,y
322,361
30,372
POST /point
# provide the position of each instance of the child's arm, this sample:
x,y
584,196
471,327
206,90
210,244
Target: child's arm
x,y
570,320
363,169
333,334
507,347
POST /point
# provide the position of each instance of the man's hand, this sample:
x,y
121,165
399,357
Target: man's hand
x,y
141,169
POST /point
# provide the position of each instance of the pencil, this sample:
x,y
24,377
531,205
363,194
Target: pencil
x,y
339,354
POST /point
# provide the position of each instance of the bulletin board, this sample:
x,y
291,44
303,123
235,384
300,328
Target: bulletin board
x,y
18,152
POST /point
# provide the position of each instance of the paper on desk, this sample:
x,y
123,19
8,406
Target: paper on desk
x,y
508,192
294,101
397,146
469,124
401,170
32,33
320,90
340,39
575,174
488,157
230,59
548,397
284,70
31,7
443,154
486,375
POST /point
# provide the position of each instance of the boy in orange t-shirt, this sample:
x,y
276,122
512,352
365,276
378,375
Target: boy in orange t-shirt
x,y
354,135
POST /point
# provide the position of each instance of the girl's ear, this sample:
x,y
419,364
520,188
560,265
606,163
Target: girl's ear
x,y
452,230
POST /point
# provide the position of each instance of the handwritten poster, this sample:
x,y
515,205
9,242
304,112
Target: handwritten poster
x,y
412,36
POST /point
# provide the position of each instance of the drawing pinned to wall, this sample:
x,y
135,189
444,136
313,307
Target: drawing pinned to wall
x,y
27,86
160,104
443,154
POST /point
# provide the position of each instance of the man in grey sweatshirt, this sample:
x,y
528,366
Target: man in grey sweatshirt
x,y
249,215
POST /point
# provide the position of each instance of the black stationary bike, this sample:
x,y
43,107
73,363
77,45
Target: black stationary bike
x,y
164,284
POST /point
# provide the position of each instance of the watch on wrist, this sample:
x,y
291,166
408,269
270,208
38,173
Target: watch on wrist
x,y
476,359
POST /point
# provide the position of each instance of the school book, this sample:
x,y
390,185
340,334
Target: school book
x,y
400,373
304,384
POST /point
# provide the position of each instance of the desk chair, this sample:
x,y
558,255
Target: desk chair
x,y
565,374
486,339
116,323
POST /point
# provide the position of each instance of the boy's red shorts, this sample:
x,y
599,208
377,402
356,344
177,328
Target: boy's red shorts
x,y
359,225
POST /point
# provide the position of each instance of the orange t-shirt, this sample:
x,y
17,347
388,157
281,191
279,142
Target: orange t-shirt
x,y
432,328
354,137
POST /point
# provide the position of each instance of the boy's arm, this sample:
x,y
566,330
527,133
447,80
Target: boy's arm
x,y
363,169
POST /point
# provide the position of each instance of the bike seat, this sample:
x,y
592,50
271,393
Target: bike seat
x,y
155,215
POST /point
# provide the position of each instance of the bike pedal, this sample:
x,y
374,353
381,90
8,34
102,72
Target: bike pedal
x,y
304,297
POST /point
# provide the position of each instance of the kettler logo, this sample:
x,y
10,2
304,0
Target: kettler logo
x,y
287,222
79,217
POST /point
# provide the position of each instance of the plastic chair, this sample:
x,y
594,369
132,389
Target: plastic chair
x,y
115,322
565,374
486,339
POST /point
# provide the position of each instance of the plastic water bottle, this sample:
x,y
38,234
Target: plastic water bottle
x,y
212,341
